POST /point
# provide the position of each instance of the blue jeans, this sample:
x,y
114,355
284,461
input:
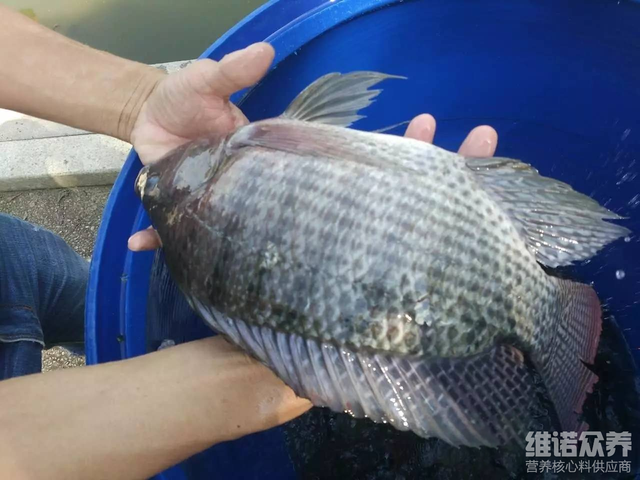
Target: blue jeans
x,y
42,295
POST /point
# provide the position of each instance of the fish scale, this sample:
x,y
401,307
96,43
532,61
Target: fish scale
x,y
256,173
382,276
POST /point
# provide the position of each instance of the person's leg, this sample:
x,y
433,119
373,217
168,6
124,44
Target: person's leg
x,y
42,290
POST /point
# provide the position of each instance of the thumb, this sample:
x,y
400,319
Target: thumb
x,y
237,70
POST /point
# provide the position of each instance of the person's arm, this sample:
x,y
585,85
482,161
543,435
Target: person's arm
x,y
134,418
47,75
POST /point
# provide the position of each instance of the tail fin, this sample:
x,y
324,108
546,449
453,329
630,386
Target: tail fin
x,y
572,343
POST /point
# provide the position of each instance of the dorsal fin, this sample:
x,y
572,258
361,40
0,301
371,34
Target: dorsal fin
x,y
391,127
558,224
335,98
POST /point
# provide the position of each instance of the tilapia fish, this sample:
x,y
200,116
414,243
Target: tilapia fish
x,y
383,276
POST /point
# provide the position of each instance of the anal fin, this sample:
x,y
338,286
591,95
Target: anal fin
x,y
571,344
484,400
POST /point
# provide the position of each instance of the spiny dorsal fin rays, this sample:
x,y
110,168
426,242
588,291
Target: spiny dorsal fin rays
x,y
391,127
336,99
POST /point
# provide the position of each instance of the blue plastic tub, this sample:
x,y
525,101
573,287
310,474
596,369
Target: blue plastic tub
x,y
558,79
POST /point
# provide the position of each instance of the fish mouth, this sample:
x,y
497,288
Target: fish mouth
x,y
141,182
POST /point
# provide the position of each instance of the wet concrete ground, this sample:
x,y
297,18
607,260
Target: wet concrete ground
x,y
75,215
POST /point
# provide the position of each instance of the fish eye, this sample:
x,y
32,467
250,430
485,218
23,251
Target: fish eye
x,y
152,182
146,183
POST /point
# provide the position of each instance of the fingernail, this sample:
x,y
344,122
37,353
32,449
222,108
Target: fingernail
x,y
427,131
422,128
247,53
233,55
133,243
480,142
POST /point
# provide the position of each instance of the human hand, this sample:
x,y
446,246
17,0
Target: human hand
x,y
194,103
245,395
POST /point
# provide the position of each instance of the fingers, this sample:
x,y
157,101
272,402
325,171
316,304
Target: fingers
x,y
422,127
481,142
144,240
237,70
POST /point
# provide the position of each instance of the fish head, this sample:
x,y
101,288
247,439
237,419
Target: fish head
x,y
164,184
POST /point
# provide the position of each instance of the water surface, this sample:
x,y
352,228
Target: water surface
x,y
154,31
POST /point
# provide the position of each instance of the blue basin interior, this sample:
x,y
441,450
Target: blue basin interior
x,y
558,79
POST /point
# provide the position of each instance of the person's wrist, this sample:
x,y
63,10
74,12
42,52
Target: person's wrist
x,y
143,83
244,396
